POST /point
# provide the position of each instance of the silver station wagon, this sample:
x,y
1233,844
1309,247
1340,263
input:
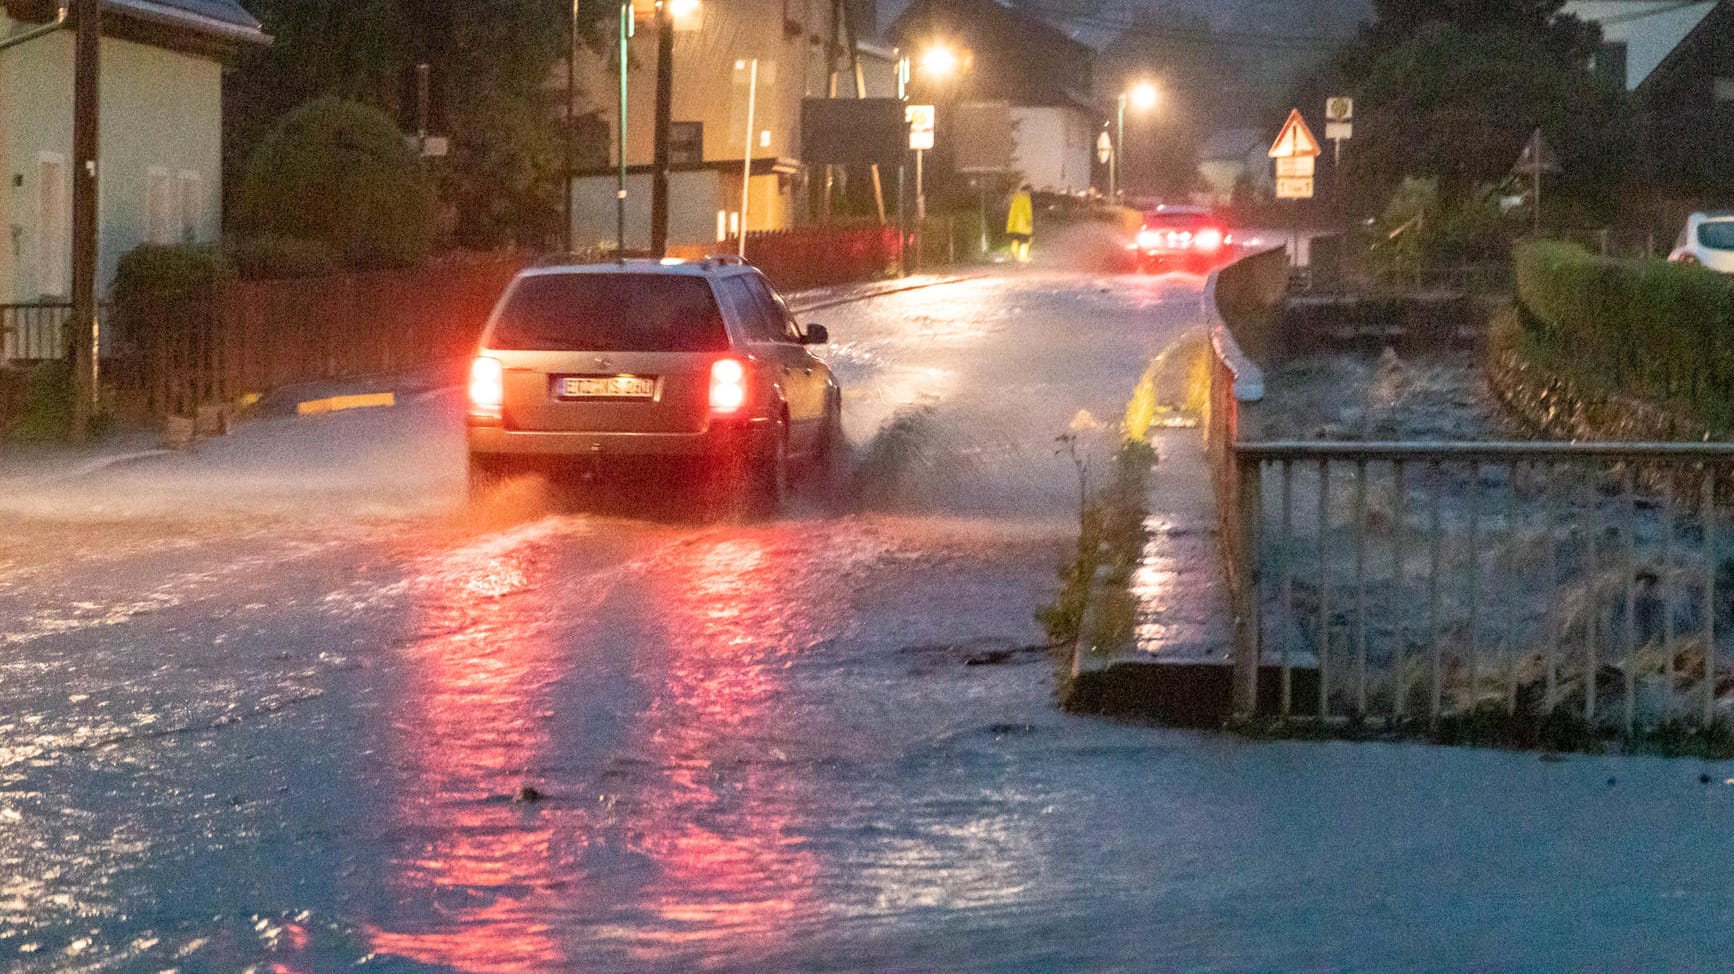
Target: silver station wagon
x,y
652,373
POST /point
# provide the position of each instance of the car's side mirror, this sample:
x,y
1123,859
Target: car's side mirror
x,y
815,335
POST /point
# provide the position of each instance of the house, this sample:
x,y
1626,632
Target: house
x,y
1677,60
1008,55
715,44
1638,35
1234,157
160,146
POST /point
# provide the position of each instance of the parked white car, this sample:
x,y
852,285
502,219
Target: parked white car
x,y
1708,240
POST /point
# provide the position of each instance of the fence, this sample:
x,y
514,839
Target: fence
x,y
816,256
168,358
1425,581
34,332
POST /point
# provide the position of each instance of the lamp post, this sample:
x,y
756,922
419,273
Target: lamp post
x,y
669,13
752,69
571,127
1143,98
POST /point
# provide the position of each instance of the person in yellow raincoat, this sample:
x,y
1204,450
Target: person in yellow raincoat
x,y
1020,223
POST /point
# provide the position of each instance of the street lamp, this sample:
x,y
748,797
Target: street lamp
x,y
939,61
1143,97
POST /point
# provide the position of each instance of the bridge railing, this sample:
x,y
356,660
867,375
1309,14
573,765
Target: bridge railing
x,y
1424,580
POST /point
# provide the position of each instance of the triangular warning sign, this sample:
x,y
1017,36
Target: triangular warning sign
x,y
1537,157
1295,139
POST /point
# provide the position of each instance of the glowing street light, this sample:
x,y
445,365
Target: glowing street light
x,y
1143,97
939,61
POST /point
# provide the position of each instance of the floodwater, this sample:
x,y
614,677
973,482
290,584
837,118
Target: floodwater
x,y
288,704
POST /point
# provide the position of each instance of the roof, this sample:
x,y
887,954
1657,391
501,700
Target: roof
x,y
1715,25
196,23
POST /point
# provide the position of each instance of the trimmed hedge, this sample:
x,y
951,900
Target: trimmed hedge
x,y
1646,328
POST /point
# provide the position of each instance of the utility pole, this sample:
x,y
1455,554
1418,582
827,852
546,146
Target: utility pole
x,y
571,129
86,110
626,27
664,113
747,165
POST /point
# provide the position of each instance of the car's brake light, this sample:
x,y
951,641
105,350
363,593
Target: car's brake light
x,y
728,386
487,386
1208,240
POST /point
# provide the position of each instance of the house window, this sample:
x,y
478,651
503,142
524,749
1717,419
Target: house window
x,y
53,224
161,227
685,143
190,200
1723,90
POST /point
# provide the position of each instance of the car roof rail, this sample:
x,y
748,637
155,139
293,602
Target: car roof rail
x,y
724,260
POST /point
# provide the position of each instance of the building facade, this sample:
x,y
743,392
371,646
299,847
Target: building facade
x,y
161,135
716,43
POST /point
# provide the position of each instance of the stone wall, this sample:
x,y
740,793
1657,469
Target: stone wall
x,y
1558,406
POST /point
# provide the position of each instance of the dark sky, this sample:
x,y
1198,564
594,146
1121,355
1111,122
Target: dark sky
x,y
1252,22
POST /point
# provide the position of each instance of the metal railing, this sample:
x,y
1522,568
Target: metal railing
x,y
1421,580
33,331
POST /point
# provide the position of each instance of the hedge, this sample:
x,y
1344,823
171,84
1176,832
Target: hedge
x,y
1647,328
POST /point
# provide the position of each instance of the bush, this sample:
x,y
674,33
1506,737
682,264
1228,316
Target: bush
x,y
156,274
275,258
338,173
1646,328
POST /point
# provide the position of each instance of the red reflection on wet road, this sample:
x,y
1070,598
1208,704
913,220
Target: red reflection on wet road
x,y
473,719
737,608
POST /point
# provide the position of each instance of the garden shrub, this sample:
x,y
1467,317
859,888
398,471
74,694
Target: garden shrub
x,y
276,258
338,172
1646,328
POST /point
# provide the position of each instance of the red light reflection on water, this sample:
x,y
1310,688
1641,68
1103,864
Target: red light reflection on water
x,y
712,803
733,872
471,721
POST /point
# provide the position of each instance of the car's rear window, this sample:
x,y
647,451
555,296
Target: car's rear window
x,y
610,313
1717,234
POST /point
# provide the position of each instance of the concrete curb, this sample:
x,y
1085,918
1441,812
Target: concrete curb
x,y
85,469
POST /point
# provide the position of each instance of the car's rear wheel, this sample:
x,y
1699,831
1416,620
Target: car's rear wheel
x,y
768,481
486,474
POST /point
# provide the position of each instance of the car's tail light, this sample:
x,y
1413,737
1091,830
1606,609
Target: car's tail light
x,y
728,386
1208,240
487,386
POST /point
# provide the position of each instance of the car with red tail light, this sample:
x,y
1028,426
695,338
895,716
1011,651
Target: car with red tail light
x,y
1185,238
653,374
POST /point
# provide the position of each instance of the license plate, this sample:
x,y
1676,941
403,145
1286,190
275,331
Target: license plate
x,y
607,387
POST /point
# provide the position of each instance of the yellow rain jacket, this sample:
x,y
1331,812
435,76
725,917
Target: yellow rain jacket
x,y
1021,218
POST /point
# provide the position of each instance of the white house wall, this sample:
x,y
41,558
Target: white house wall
x,y
160,110
1052,147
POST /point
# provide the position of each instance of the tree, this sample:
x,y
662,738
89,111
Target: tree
x,y
1451,89
1181,56
338,172
489,65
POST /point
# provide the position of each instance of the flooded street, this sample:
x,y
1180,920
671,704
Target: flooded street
x,y
289,704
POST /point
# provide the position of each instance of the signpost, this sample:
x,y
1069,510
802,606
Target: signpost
x,y
920,119
1295,151
1536,159
1339,125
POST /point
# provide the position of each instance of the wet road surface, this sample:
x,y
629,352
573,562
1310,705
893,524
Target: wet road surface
x,y
273,706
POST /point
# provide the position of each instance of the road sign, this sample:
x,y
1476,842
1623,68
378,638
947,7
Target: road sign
x,y
1300,188
1339,110
1537,158
1104,148
1338,131
920,119
1294,167
1295,139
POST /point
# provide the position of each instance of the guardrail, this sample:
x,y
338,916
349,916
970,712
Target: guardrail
x,y
1424,580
